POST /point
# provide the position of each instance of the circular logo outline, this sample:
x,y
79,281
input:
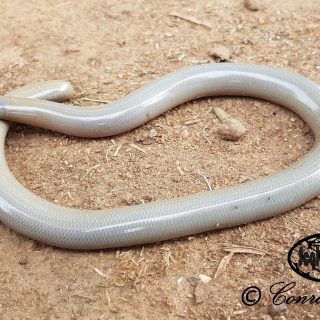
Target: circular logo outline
x,y
246,296
291,264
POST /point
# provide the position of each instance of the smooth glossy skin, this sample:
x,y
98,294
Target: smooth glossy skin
x,y
39,219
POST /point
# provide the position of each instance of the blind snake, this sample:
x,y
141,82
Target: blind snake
x,y
44,221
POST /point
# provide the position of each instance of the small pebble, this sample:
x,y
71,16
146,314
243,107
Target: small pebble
x,y
252,5
267,170
153,133
127,197
200,293
176,179
204,278
23,262
181,282
276,310
265,317
231,130
280,268
185,133
220,53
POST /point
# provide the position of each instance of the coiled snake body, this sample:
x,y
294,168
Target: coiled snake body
x,y
39,219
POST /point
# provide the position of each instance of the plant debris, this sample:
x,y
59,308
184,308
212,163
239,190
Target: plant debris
x,y
191,19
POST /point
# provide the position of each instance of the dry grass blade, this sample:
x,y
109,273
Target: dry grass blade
x,y
206,180
94,100
239,249
99,272
137,148
223,265
190,19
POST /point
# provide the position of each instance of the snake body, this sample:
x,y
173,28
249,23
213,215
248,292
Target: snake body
x,y
41,220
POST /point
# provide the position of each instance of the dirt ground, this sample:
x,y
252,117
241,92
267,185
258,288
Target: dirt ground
x,y
107,49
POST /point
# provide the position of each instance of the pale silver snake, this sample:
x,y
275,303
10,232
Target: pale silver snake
x,y
39,219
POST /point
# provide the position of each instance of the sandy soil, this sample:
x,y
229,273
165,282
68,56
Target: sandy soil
x,y
107,49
